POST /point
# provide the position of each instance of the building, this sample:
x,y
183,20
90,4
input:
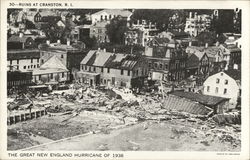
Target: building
x,y
134,37
196,24
53,70
166,56
113,69
20,42
196,103
24,60
108,14
99,31
145,30
101,19
70,54
16,79
207,56
226,84
232,55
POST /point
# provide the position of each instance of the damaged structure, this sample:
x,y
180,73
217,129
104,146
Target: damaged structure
x,y
113,69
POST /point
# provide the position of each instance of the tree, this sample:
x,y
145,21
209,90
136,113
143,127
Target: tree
x,y
29,24
206,37
116,30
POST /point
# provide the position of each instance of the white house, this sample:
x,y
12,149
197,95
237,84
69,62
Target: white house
x,y
108,14
53,70
224,84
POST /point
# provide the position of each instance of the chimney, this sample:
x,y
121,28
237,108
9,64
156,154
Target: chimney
x,y
236,66
217,43
48,42
68,42
195,15
20,34
190,14
59,41
190,43
206,45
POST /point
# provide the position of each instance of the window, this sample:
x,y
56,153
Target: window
x,y
28,67
34,66
82,67
110,16
17,67
40,77
121,71
89,68
160,66
128,72
149,65
62,74
10,61
108,70
37,65
208,88
102,69
166,66
62,56
37,60
226,82
17,61
42,61
51,76
94,69
31,66
137,72
217,80
225,91
216,90
86,67
31,60
24,67
155,65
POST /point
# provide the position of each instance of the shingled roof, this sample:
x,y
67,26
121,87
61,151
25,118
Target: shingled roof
x,y
203,99
110,60
120,12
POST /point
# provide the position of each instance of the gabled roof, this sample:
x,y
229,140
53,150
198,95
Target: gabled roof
x,y
203,99
232,47
110,60
121,12
46,13
162,41
53,62
52,65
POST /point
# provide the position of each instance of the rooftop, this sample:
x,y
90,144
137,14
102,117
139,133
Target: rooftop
x,y
203,99
23,54
121,12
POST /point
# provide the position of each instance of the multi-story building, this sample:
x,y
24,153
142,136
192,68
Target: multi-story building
x,y
24,60
113,69
197,23
225,84
99,31
108,14
70,54
166,56
53,70
102,18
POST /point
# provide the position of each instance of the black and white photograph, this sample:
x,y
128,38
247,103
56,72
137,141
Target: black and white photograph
x,y
123,79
